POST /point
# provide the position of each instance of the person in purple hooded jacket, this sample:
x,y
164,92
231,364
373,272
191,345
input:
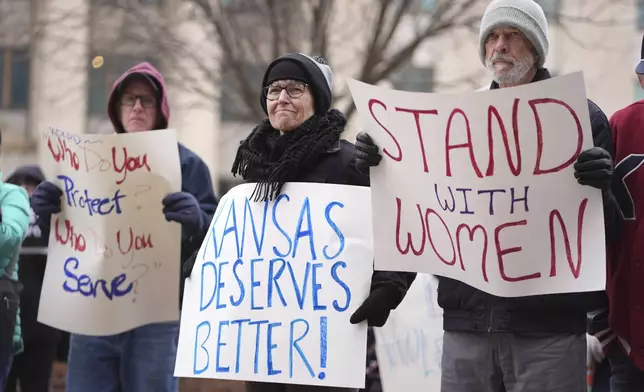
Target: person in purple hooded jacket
x,y
142,359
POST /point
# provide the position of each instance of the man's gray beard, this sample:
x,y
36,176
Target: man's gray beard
x,y
514,75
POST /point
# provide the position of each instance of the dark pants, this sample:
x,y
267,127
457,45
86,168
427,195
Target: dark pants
x,y
626,377
508,362
269,387
32,368
601,379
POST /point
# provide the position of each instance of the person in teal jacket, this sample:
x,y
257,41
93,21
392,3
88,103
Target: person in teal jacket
x,y
14,222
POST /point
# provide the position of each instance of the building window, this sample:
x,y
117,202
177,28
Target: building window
x,y
232,105
14,78
640,14
412,78
101,79
552,9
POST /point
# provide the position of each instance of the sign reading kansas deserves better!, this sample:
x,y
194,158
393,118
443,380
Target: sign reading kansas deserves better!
x,y
274,286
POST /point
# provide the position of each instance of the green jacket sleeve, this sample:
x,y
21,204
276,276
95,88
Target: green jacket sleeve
x,y
14,205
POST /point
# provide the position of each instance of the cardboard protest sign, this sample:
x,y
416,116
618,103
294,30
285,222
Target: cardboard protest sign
x,y
113,258
274,286
410,345
479,187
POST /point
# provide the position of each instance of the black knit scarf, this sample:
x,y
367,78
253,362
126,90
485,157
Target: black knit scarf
x,y
271,159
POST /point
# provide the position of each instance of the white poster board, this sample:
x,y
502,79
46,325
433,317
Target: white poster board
x,y
479,187
113,261
410,345
274,286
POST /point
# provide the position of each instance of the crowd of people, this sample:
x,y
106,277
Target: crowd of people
x,y
538,343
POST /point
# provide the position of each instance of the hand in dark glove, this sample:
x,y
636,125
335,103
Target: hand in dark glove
x,y
367,154
182,207
45,199
594,167
376,308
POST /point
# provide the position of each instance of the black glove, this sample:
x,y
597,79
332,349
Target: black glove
x,y
367,154
594,167
376,308
45,200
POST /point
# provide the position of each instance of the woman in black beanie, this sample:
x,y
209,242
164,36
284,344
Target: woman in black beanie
x,y
300,142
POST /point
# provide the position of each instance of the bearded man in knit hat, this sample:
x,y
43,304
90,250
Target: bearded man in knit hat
x,y
536,343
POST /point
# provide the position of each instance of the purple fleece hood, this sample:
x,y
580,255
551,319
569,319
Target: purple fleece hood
x,y
149,72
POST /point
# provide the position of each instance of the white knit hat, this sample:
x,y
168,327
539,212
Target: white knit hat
x,y
524,15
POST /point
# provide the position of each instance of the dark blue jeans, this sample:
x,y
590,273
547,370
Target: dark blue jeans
x,y
140,360
626,377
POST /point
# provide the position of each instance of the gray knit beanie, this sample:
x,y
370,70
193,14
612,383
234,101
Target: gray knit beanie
x,y
525,15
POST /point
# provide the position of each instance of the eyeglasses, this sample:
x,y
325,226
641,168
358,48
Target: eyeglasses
x,y
293,90
147,101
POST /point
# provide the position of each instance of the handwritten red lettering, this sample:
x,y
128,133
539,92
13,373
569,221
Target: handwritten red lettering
x,y
429,212
471,232
494,113
417,114
129,164
135,242
75,240
410,243
468,145
575,269
580,135
502,252
63,153
397,158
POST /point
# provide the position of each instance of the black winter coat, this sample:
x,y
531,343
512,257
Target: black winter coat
x,y
468,309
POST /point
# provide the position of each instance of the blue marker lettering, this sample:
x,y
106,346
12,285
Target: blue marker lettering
x,y
257,337
242,292
100,206
294,344
335,228
220,285
300,293
83,284
491,192
269,349
279,228
466,210
230,229
524,199
316,287
239,342
203,307
254,283
196,371
259,241
305,212
218,368
347,290
272,281
323,345
445,203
